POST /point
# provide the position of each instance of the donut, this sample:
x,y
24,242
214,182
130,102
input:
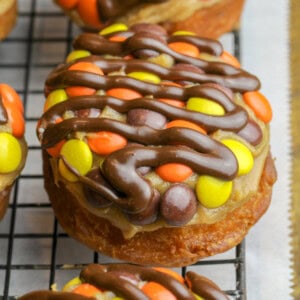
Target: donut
x,y
155,146
13,148
208,18
8,16
133,282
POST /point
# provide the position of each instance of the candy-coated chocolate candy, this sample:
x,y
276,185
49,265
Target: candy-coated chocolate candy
x,y
144,76
87,290
55,97
76,54
55,150
78,155
11,98
67,4
117,27
183,32
16,121
205,106
230,59
170,272
105,142
174,172
198,297
242,154
74,91
185,124
117,298
10,153
123,93
87,67
212,192
173,102
260,105
141,116
71,284
185,48
178,204
88,12
155,291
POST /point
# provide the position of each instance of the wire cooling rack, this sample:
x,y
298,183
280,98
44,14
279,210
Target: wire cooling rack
x,y
35,252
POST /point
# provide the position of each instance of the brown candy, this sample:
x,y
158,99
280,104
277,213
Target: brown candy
x,y
178,204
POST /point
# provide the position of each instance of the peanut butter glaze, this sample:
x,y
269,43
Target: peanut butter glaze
x,y
122,280
126,187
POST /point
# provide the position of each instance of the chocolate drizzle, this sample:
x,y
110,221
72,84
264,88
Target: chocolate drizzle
x,y
147,146
122,279
113,8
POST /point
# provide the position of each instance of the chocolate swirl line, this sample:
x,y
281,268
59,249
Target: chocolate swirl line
x,y
62,77
113,8
201,285
122,280
219,72
235,117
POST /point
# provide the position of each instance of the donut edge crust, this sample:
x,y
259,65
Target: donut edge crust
x,y
170,247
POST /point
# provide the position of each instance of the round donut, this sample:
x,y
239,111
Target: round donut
x,y
206,18
155,147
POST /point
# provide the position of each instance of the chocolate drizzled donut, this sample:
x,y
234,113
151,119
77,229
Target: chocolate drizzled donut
x,y
123,279
148,146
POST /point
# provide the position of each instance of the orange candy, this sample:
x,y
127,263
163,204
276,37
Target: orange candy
x,y
87,67
185,48
155,291
174,172
171,273
67,4
86,289
55,150
16,121
14,108
260,105
74,91
123,93
117,38
230,59
185,124
88,12
105,142
172,102
10,97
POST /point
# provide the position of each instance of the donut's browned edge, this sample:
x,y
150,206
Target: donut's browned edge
x,y
8,19
166,246
212,21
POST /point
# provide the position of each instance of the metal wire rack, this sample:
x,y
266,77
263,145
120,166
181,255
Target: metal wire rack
x,y
35,252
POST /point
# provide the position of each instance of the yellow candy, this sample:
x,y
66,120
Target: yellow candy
x,y
70,285
205,106
10,153
243,155
184,32
78,154
117,298
77,54
198,297
113,28
55,97
145,76
213,192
